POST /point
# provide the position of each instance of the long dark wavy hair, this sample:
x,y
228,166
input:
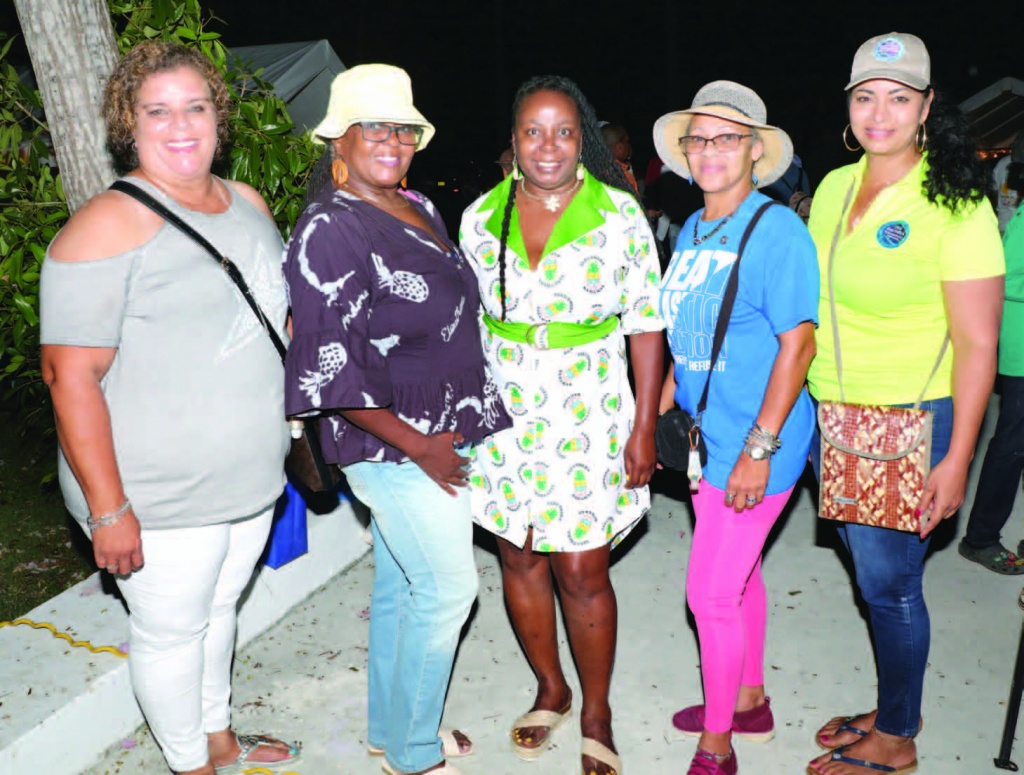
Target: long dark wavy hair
x,y
594,153
956,176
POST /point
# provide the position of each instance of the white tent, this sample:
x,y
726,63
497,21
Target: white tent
x,y
996,113
301,74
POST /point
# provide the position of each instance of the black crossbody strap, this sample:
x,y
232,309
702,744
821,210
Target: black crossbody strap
x,y
229,267
728,301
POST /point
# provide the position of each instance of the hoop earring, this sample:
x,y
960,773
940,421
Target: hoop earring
x,y
921,138
516,174
339,172
581,171
847,142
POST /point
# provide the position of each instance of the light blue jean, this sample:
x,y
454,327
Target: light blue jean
x,y
890,576
424,584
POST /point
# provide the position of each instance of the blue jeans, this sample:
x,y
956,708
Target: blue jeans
x,y
890,570
424,584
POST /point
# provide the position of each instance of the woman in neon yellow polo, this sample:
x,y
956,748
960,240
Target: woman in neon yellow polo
x,y
917,255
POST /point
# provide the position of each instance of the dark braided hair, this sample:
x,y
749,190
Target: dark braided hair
x,y
956,176
320,176
594,153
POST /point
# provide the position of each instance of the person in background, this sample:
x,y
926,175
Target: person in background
x,y
617,139
567,271
1006,183
386,355
915,257
758,421
505,159
1001,471
169,399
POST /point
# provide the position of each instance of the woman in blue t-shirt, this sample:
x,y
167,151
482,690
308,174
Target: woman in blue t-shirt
x,y
758,420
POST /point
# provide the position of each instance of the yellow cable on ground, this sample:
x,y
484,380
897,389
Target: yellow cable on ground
x,y
82,644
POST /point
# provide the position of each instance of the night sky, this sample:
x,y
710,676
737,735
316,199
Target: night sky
x,y
637,59
634,59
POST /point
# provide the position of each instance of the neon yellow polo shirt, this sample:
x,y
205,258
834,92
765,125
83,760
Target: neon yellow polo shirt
x,y
888,275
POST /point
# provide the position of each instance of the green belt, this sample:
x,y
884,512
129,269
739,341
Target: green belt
x,y
550,336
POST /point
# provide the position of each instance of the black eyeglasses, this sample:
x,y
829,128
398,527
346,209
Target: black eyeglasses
x,y
729,141
376,132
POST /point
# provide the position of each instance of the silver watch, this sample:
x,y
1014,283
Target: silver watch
x,y
757,453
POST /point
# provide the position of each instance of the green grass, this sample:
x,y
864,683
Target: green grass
x,y
42,550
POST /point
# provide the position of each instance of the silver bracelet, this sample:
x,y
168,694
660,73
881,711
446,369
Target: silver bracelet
x,y
759,436
110,518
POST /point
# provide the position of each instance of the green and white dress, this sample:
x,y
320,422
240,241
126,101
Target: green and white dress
x,y
560,468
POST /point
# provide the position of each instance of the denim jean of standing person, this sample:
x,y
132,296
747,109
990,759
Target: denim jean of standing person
x,y
424,584
386,354
890,572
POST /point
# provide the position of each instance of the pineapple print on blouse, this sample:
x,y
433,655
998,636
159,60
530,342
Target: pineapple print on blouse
x,y
560,468
383,317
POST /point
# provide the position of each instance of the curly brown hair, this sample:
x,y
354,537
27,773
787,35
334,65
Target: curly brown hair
x,y
121,94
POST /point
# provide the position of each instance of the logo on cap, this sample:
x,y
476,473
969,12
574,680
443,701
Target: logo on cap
x,y
889,50
893,234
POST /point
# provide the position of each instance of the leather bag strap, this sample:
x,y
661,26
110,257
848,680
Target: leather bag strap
x,y
227,264
728,301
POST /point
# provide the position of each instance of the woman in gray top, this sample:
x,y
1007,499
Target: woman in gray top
x,y
169,399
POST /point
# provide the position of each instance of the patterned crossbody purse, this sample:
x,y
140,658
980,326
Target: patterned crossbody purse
x,y
874,459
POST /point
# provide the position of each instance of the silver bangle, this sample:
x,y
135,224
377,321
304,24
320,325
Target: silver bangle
x,y
110,518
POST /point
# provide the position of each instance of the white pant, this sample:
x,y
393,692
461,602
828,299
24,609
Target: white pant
x,y
183,608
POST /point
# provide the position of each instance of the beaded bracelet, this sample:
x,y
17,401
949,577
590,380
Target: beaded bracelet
x,y
111,518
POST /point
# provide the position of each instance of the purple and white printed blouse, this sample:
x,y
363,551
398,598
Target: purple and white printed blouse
x,y
383,317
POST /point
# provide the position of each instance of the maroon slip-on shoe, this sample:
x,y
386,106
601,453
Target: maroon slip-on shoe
x,y
756,725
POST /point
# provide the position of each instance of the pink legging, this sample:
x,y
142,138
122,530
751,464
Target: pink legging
x,y
726,593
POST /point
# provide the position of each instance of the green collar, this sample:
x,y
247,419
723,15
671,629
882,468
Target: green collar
x,y
583,214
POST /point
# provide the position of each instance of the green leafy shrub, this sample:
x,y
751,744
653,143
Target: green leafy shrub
x,y
264,154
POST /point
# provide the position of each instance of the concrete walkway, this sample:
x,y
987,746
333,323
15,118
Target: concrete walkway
x,y
306,678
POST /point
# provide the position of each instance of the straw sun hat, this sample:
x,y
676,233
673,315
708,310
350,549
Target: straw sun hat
x,y
371,93
733,102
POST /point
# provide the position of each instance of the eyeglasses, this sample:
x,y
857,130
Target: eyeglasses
x,y
376,132
729,141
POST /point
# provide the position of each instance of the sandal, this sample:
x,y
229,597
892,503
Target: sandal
x,y
546,719
996,558
839,756
603,754
449,745
249,743
844,726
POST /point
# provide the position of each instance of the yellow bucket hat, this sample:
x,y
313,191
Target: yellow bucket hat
x,y
371,93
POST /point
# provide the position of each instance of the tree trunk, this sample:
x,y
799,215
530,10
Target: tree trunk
x,y
71,44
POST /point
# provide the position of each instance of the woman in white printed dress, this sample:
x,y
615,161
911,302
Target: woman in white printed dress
x,y
567,270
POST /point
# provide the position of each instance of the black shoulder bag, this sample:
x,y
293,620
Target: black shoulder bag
x,y
305,464
677,435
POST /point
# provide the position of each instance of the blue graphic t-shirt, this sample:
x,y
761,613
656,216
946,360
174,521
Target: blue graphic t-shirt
x,y
778,290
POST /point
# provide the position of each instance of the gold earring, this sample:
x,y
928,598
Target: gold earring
x,y
516,174
581,171
339,172
847,142
921,138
